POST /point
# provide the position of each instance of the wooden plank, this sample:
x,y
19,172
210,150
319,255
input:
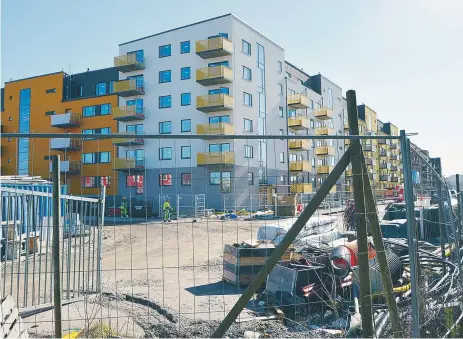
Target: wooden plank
x,y
233,278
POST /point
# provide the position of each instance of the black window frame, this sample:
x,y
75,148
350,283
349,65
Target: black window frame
x,y
181,125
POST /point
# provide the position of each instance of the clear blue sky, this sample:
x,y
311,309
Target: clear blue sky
x,y
404,58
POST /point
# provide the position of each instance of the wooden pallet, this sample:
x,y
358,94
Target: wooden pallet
x,y
11,323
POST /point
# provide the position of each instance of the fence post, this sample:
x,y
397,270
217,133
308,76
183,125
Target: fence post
x,y
178,206
441,223
56,245
99,276
459,212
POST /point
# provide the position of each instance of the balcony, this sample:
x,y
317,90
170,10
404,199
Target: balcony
x,y
65,144
128,88
214,47
394,168
301,188
324,131
384,177
384,165
215,158
300,145
298,122
325,169
324,150
131,139
346,126
69,167
65,120
128,63
298,101
369,148
128,164
300,166
129,113
348,173
395,179
395,157
214,103
214,75
324,113
346,142
221,128
383,153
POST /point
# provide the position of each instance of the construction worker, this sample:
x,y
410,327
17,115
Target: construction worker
x,y
124,208
166,208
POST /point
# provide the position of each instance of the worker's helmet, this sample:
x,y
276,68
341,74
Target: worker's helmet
x,y
167,199
123,198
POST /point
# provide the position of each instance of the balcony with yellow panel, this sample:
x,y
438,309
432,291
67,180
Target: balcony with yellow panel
x,y
128,87
324,150
383,153
300,145
128,164
214,75
324,169
324,131
346,126
130,139
324,113
298,101
298,122
215,158
128,63
301,188
300,166
128,113
220,128
369,148
214,47
346,142
214,103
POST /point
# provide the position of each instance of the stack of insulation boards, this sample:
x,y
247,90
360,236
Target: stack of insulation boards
x,y
242,264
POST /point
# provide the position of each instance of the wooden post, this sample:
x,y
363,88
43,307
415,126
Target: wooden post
x,y
360,218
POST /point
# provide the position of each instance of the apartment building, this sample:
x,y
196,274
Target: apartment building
x,y
61,103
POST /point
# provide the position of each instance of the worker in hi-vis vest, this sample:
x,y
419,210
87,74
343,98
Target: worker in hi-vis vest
x,y
166,208
124,213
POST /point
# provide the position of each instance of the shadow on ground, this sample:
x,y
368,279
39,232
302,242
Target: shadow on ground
x,y
217,288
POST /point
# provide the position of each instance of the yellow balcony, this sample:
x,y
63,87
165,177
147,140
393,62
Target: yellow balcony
x,y
300,166
221,128
128,164
214,75
349,189
214,103
214,47
131,139
384,177
128,63
301,188
346,126
298,123
346,142
324,131
348,173
215,158
324,169
128,113
127,88
300,145
298,101
324,113
324,150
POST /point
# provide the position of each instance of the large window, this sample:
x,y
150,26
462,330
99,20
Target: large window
x,y
247,125
248,151
105,109
165,76
186,125
100,88
330,98
221,178
165,127
185,73
134,129
165,51
219,148
250,178
88,158
214,178
185,99
165,153
89,182
105,130
105,181
186,179
217,119
247,73
24,127
105,157
165,179
165,101
281,113
186,152
185,47
89,111
246,47
247,99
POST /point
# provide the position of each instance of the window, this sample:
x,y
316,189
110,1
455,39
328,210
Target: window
x,y
165,127
281,113
185,47
247,99
111,87
186,125
186,179
165,153
135,181
165,179
134,129
247,73
100,88
214,148
165,101
185,99
105,130
88,131
185,73
51,90
282,179
89,111
311,123
50,113
105,181
279,66
88,158
226,182
105,109
250,178
165,51
280,89
165,76
313,162
186,152
217,119
221,90
282,157
247,125
246,47
248,151
105,157
88,182
220,63
291,113
214,178
330,98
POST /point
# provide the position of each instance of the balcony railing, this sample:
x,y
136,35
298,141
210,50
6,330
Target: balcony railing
x,y
215,158
128,164
384,177
324,113
300,145
65,120
69,167
300,166
65,144
298,122
131,139
128,113
301,188
298,101
324,131
214,47
221,128
214,103
128,63
369,148
394,157
214,75
324,150
395,179
324,169
384,165
128,87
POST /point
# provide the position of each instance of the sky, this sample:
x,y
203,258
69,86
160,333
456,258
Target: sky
x,y
403,58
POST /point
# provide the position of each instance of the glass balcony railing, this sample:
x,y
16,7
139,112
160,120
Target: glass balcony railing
x,y
324,150
301,188
214,47
214,75
69,167
300,166
128,87
221,128
324,131
324,169
302,145
128,164
128,63
68,119
298,122
128,113
298,101
214,103
65,144
215,158
324,113
129,140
